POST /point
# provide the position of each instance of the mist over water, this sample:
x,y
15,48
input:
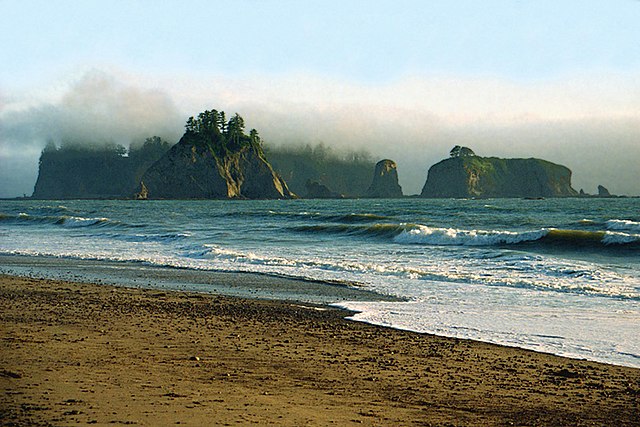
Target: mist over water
x,y
588,124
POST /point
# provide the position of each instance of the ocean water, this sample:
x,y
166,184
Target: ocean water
x,y
558,275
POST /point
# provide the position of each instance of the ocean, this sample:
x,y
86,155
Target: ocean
x,y
558,275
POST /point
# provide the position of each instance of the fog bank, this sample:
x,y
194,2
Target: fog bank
x,y
96,109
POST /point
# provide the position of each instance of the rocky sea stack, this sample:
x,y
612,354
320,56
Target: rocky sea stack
x,y
385,181
467,175
603,191
215,159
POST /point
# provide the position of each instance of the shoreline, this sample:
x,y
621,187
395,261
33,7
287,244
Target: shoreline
x,y
141,275
252,285
86,353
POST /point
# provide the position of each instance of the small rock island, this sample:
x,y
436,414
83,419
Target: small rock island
x,y
466,175
385,181
215,159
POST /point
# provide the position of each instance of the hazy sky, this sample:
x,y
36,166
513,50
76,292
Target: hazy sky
x,y
405,79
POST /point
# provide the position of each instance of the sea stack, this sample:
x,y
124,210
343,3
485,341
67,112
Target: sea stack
x,y
466,175
603,191
385,181
143,194
215,159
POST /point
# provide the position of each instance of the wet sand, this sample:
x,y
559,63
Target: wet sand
x,y
76,353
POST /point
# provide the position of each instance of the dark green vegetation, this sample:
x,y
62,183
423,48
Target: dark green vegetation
x,y
305,166
215,159
468,175
76,170
211,129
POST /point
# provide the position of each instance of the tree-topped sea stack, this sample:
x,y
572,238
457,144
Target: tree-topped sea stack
x,y
466,175
215,159
385,181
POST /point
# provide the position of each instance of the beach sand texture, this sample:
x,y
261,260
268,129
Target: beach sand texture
x,y
95,354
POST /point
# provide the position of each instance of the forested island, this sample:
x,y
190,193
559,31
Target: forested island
x,y
215,158
77,170
465,175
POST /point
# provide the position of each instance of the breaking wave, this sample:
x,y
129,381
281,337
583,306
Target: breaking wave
x,y
407,233
455,237
623,225
67,221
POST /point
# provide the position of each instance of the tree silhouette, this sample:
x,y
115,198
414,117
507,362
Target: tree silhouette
x,y
255,138
459,151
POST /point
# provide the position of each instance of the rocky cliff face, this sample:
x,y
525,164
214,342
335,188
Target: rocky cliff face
x,y
474,176
197,169
385,181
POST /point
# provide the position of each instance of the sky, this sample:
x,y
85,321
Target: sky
x,y
405,80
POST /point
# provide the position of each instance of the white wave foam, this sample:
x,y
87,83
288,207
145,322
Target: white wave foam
x,y
594,333
160,238
248,257
618,238
623,225
78,221
456,237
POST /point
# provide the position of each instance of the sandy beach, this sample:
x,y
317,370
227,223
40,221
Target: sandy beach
x,y
76,353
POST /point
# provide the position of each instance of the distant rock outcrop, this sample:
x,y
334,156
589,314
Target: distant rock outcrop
x,y
143,194
385,181
315,190
474,176
215,159
603,192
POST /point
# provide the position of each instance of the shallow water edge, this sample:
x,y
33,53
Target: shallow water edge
x,y
139,275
